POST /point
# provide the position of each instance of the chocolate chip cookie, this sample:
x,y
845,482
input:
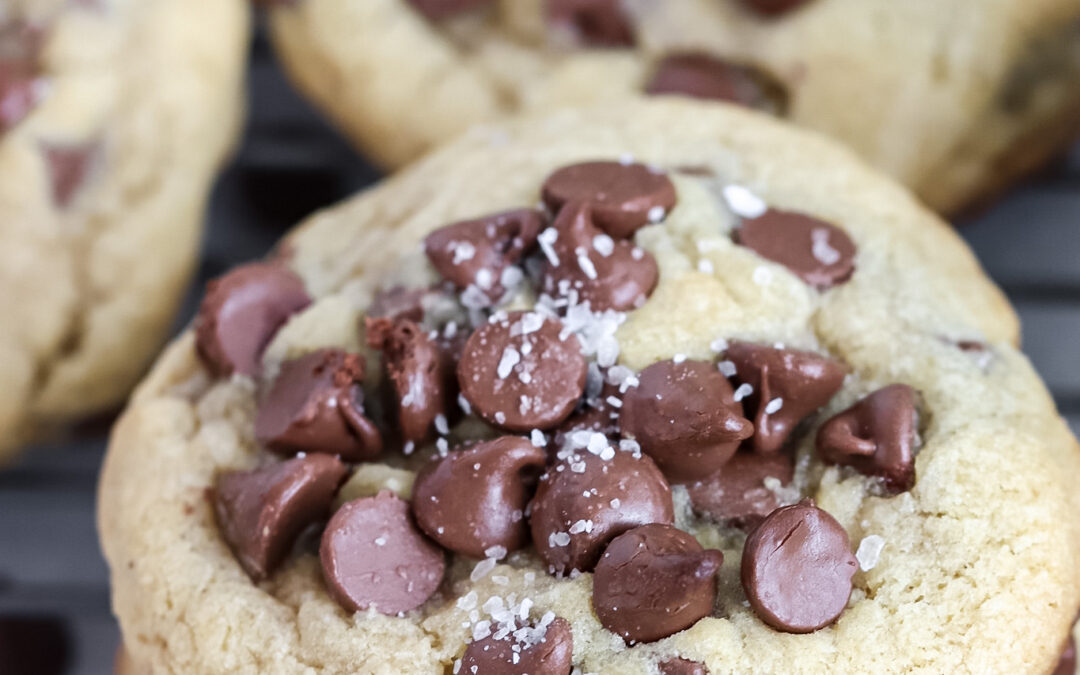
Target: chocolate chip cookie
x,y
658,387
956,101
114,117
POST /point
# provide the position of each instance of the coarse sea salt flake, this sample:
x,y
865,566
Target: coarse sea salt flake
x,y
743,391
869,552
744,202
774,406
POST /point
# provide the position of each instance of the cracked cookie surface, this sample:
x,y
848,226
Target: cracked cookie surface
x,y
116,117
972,569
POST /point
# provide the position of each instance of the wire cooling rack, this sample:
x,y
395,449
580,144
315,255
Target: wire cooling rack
x,y
54,600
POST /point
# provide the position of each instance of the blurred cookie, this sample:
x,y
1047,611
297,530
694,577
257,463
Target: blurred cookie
x,y
956,100
115,116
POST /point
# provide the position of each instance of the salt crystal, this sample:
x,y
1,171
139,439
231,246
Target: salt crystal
x,y
441,425
463,251
558,539
869,552
744,202
538,438
656,214
587,266
510,358
547,240
743,391
774,406
467,601
482,569
726,368
820,247
464,404
678,358
604,244
496,552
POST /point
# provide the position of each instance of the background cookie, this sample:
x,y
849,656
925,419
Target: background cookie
x,y
995,466
116,115
955,101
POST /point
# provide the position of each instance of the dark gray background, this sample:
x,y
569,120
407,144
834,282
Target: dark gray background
x,y
290,164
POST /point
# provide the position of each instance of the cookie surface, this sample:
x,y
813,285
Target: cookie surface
x,y
956,102
116,116
972,569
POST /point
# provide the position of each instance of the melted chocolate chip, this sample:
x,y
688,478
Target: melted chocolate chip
x,y
21,87
69,167
622,197
599,23
261,512
876,436
551,654
707,77
685,417
519,373
316,404
398,302
773,7
477,252
419,371
682,667
584,501
654,581
607,273
475,499
241,313
820,254
797,568
373,555
788,385
736,495
1067,661
437,10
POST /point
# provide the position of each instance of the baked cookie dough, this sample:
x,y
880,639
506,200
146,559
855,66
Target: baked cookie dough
x,y
518,480
956,100
114,118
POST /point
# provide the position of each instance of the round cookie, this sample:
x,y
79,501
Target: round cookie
x,y
973,567
955,101
114,118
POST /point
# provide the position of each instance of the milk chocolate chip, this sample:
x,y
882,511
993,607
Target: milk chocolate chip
x,y
586,499
820,254
477,252
398,302
654,581
600,23
797,568
519,372
707,77
685,417
876,436
261,512
437,10
607,273
622,197
316,404
419,371
373,555
240,314
738,494
475,499
21,86
683,667
773,7
788,385
537,650
69,167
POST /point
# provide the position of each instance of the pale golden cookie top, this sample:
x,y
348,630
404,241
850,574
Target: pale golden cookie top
x,y
888,312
